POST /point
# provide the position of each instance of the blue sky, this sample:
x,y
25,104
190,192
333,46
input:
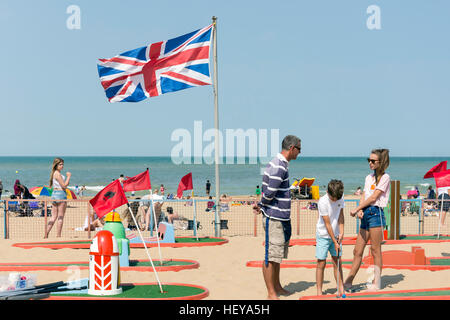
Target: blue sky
x,y
309,68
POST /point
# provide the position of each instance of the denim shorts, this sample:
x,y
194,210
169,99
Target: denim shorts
x,y
445,204
59,195
323,245
371,218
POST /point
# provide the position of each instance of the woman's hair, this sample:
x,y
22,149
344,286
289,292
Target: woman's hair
x,y
383,157
56,162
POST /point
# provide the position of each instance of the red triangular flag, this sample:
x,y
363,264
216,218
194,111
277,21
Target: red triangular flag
x,y
442,166
185,184
111,197
442,179
138,182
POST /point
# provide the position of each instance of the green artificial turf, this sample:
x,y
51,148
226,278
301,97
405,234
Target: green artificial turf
x,y
146,291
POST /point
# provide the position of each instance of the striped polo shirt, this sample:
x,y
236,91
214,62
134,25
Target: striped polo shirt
x,y
276,196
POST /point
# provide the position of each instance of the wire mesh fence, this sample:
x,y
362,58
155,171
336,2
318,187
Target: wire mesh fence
x,y
28,219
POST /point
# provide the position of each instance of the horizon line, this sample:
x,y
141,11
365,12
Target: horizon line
x,y
224,157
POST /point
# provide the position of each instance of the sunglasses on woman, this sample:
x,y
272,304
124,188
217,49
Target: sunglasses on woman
x,y
372,161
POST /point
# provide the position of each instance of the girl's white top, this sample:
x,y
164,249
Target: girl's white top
x,y
384,185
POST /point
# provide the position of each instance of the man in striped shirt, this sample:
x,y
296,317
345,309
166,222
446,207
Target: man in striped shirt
x,y
275,206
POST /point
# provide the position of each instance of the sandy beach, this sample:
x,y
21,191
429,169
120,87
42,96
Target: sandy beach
x,y
223,271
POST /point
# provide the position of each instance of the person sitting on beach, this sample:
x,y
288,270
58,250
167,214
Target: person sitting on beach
x,y
358,191
210,205
96,223
188,202
224,207
172,216
18,189
330,233
26,194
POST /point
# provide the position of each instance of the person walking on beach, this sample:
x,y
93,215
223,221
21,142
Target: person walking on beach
x,y
370,210
208,187
1,189
330,233
444,203
275,205
59,184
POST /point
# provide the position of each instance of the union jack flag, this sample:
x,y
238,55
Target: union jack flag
x,y
161,67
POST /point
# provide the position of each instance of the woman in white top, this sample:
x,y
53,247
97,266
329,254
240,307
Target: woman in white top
x,y
444,202
59,184
370,210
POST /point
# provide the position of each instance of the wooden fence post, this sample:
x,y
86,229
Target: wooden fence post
x,y
394,232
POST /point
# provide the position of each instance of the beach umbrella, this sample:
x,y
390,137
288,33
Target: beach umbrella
x,y
46,191
70,194
41,191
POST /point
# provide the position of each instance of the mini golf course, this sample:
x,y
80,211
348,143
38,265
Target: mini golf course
x,y
85,244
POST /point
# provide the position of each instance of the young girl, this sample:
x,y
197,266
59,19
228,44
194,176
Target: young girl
x,y
370,210
59,184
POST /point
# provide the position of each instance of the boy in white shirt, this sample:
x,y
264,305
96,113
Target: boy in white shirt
x,y
330,232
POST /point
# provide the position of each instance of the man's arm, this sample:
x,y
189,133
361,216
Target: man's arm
x,y
275,178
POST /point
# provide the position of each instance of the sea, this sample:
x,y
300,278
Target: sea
x,y
236,177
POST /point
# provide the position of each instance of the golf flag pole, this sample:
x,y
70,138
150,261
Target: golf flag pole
x,y
146,249
216,125
156,222
440,217
156,226
195,219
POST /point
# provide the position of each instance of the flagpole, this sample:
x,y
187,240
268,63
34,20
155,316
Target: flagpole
x,y
145,246
216,125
